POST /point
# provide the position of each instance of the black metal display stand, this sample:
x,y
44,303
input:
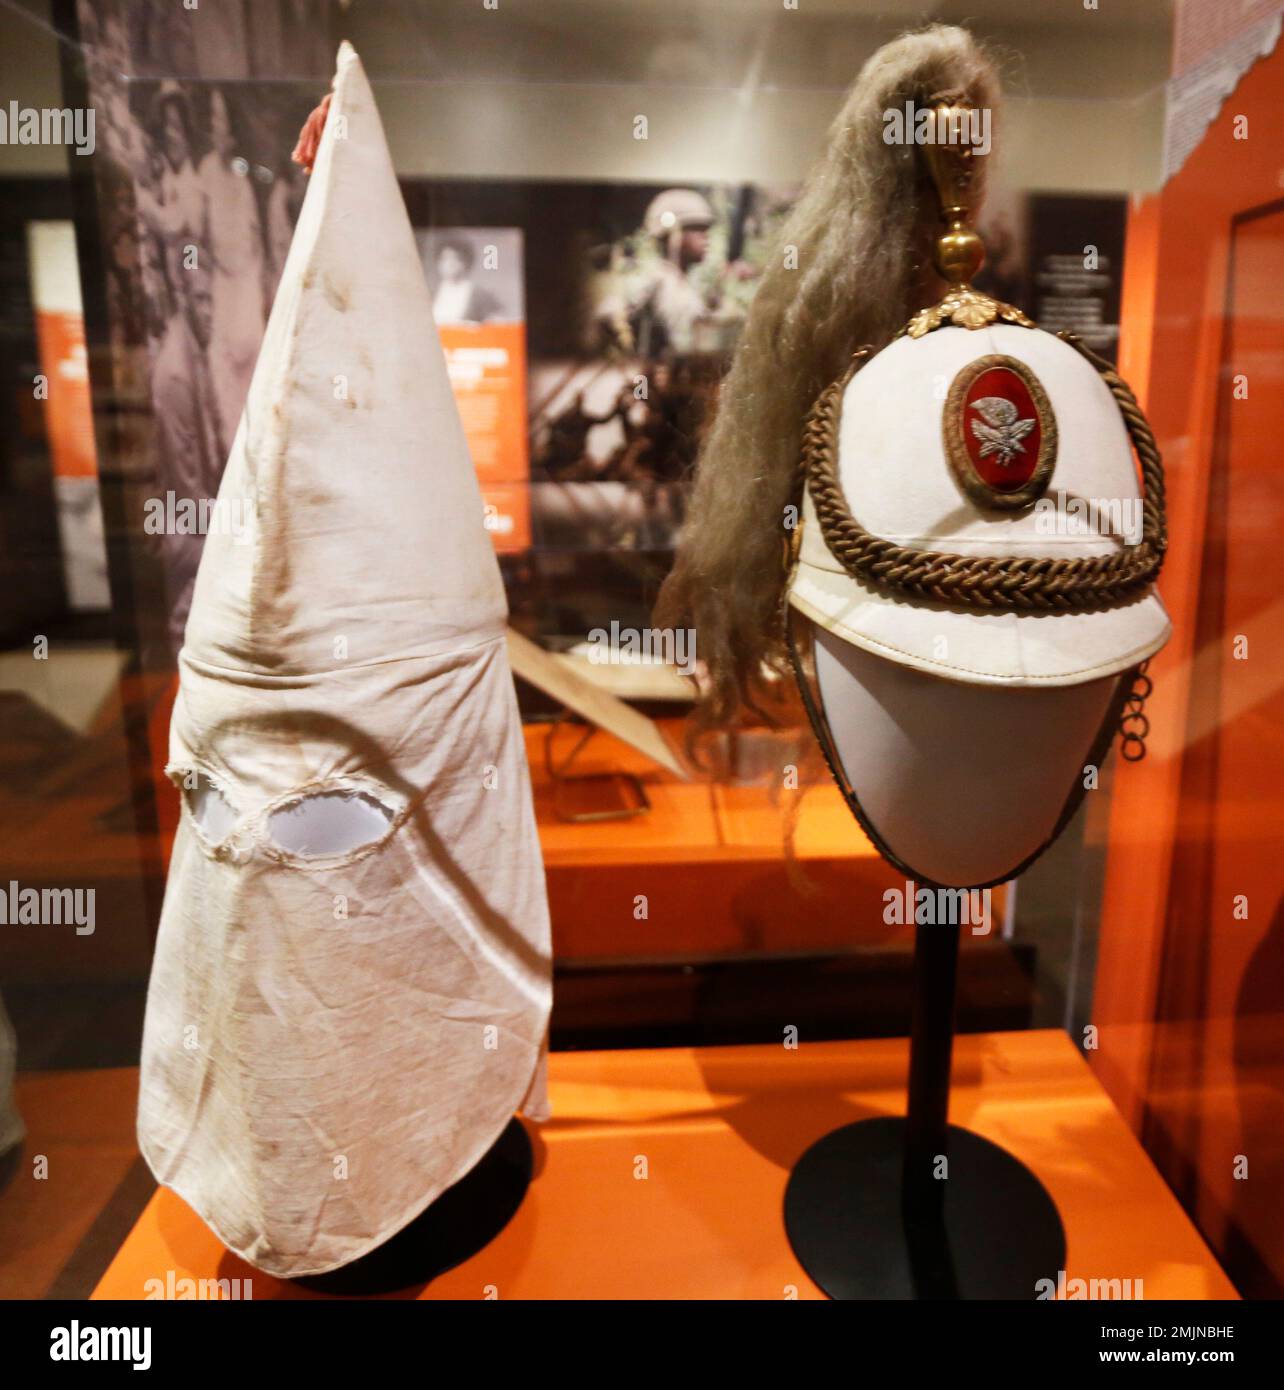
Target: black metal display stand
x,y
917,1207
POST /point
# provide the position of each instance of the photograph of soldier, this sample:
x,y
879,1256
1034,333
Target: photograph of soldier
x,y
615,433
658,313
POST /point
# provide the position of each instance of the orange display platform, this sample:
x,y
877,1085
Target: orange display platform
x,y
663,1174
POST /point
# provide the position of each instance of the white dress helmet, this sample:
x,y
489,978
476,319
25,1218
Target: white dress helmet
x,y
971,513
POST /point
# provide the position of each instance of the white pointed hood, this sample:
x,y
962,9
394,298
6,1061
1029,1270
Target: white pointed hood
x,y
352,979
350,425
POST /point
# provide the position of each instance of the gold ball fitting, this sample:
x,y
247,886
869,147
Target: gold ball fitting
x,y
960,254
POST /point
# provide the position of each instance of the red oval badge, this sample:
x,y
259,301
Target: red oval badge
x,y
1000,434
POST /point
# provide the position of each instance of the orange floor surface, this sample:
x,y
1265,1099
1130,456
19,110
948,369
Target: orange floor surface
x,y
718,1129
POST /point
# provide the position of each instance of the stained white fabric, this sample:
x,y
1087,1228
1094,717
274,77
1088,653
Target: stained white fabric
x,y
333,1039
898,485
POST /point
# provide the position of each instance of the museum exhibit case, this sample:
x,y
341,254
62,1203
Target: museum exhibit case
x,y
638,656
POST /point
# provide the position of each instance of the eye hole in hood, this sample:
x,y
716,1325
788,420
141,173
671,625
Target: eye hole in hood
x,y
324,823
209,808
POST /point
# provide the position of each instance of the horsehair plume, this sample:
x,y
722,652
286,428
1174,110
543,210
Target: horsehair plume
x,y
862,230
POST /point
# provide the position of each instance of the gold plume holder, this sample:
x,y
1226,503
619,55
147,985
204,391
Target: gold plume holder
x,y
954,165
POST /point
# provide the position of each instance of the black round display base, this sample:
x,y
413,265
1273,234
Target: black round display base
x,y
1000,1235
462,1221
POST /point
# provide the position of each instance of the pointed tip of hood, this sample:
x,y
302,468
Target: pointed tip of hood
x,y
366,534
346,61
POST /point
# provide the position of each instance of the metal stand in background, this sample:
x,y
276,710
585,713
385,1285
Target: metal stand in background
x,y
917,1207
590,796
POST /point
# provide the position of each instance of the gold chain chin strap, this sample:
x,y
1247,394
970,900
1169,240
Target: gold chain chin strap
x,y
1134,726
986,583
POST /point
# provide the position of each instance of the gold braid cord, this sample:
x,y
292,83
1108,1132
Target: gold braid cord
x,y
987,583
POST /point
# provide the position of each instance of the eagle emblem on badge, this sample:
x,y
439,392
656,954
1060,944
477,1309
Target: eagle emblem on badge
x,y
999,431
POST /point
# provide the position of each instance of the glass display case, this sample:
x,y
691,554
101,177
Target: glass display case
x,y
594,192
